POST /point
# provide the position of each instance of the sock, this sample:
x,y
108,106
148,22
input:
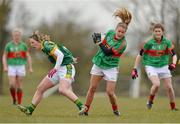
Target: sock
x,y
79,104
13,94
173,105
151,98
31,107
19,95
87,107
114,107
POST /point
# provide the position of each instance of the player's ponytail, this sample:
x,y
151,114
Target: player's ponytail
x,y
125,17
40,37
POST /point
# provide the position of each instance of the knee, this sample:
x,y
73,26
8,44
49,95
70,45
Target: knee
x,y
110,93
62,91
39,89
156,85
92,89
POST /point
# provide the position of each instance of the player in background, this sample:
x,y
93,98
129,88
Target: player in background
x,y
63,72
14,59
155,54
106,60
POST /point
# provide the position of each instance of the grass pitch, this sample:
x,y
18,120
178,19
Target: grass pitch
x,y
58,109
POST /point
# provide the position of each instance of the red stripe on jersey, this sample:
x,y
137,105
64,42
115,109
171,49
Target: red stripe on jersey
x,y
20,54
156,52
104,42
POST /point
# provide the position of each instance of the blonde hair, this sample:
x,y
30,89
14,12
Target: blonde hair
x,y
17,30
125,17
40,37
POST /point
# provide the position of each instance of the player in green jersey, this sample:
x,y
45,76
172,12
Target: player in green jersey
x,y
15,57
155,55
63,72
106,60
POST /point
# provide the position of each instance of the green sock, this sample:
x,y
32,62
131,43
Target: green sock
x,y
31,107
79,104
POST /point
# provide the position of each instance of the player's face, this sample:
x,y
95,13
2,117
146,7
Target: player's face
x,y
120,32
158,33
16,36
35,44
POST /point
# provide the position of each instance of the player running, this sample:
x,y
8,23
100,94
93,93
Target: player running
x,y
106,60
155,54
62,73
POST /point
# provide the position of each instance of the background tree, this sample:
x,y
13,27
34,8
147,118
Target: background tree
x,y
5,10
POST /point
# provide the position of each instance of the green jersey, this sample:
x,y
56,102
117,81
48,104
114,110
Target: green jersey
x,y
16,53
49,48
157,54
118,46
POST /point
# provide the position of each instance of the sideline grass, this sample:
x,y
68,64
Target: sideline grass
x,y
59,109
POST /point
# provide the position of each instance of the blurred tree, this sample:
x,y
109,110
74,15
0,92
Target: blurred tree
x,y
5,10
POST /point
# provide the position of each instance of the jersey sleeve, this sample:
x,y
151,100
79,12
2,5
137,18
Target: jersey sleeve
x,y
170,45
50,47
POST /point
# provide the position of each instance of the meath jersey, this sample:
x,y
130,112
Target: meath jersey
x,y
16,54
49,47
157,54
118,47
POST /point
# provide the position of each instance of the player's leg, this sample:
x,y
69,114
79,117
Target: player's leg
x,y
20,73
170,92
65,88
12,88
154,89
94,83
42,87
12,82
110,90
19,91
111,75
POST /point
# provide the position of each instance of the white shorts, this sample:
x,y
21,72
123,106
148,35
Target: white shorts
x,y
108,74
66,72
16,70
162,72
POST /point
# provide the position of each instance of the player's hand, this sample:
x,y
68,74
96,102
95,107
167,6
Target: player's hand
x,y
172,66
5,69
30,70
52,72
134,73
96,38
75,60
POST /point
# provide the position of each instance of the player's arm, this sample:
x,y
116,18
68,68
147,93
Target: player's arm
x,y
59,55
4,61
29,61
97,38
172,66
134,72
59,59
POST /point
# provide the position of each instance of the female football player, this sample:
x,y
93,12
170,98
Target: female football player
x,y
106,60
155,54
15,57
62,73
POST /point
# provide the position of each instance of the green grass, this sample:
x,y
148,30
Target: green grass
x,y
59,109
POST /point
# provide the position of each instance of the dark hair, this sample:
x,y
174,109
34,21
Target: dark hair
x,y
158,25
125,16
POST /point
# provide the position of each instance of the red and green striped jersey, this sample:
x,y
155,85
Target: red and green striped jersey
x,y
16,54
49,47
157,54
118,47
